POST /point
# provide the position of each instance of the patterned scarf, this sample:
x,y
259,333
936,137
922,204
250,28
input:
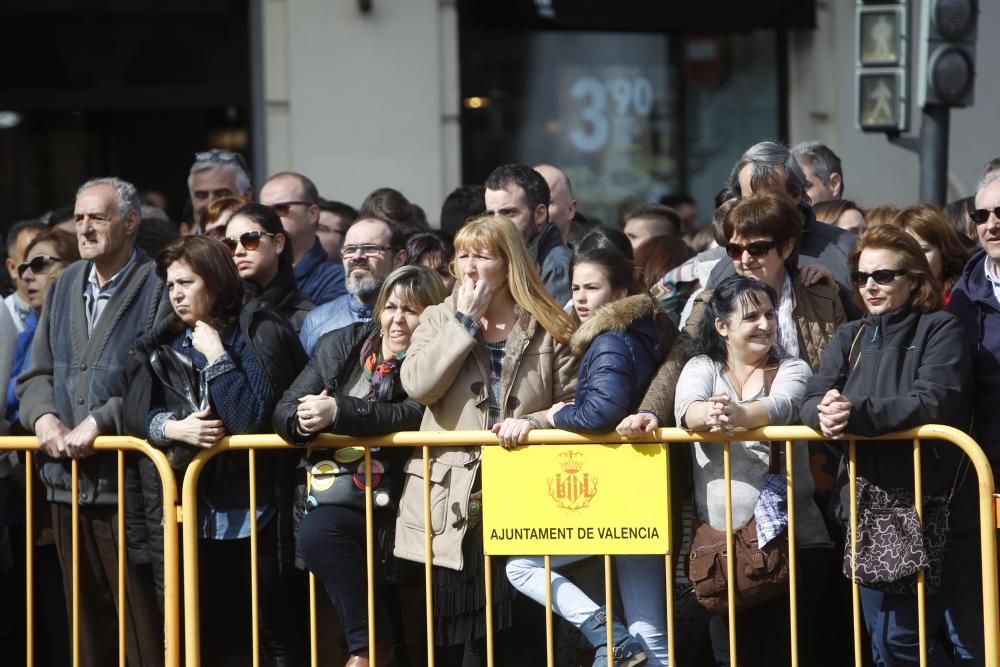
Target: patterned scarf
x,y
379,374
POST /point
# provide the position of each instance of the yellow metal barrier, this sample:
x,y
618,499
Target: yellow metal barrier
x,y
988,522
171,552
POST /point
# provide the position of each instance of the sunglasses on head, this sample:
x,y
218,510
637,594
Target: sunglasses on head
x,y
881,276
249,240
220,156
37,264
981,215
755,249
283,207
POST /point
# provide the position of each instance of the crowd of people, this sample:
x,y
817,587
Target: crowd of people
x,y
285,312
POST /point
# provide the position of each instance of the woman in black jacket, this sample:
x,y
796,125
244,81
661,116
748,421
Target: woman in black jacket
x,y
214,368
351,387
263,256
902,365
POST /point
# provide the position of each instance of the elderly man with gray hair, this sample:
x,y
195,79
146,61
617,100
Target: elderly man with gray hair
x,y
71,393
216,173
975,300
823,171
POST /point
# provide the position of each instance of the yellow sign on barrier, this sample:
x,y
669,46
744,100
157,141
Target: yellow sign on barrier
x,y
573,499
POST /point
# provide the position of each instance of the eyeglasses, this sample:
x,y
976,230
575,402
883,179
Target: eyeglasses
x,y
249,240
37,264
981,215
881,276
755,249
367,249
283,207
220,156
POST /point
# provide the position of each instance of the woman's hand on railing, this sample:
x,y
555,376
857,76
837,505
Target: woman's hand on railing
x,y
638,424
196,429
723,414
834,413
316,412
512,432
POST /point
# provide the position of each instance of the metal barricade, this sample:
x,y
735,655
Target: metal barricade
x,y
426,440
171,553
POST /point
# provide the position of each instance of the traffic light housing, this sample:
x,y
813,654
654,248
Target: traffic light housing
x,y
881,66
947,61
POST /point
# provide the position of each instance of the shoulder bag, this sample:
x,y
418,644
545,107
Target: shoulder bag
x,y
761,573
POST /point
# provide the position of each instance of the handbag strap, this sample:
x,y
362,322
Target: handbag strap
x,y
774,455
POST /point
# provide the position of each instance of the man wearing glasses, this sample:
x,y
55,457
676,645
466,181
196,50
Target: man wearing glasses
x,y
296,201
215,174
372,249
975,300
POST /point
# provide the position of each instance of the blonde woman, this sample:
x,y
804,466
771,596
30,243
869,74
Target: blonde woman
x,y
493,355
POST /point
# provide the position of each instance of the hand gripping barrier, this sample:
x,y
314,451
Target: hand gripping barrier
x,y
426,440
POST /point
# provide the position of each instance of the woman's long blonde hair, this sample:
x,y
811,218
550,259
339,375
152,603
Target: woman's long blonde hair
x,y
500,237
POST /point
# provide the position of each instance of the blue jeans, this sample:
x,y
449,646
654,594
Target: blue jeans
x,y
641,582
954,615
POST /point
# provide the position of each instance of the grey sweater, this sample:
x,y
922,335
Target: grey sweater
x,y
700,379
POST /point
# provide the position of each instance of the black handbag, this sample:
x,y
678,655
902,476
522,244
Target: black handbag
x,y
185,390
337,477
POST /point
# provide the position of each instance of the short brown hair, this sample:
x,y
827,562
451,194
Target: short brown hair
x,y
932,225
214,211
766,214
65,243
925,296
880,215
211,261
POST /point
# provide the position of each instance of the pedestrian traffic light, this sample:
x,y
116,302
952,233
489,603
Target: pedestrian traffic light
x,y
881,82
947,52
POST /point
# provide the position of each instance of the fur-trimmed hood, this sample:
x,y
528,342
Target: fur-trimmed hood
x,y
619,316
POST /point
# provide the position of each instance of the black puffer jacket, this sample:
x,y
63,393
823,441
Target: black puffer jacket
x,y
906,369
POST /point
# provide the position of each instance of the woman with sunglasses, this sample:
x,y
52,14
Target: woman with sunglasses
x,y
902,365
263,256
763,233
47,255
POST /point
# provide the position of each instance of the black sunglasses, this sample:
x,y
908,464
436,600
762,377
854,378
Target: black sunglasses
x,y
36,264
249,240
981,215
756,249
881,276
283,207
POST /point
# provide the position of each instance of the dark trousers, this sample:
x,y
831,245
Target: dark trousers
x,y
954,614
224,599
763,632
99,598
332,545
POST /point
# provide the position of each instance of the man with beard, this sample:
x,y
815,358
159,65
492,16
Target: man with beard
x,y
371,250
